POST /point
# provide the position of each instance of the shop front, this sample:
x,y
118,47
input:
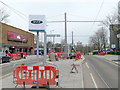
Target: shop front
x,y
15,40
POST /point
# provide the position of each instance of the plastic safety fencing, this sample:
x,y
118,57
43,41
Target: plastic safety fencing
x,y
14,56
36,75
78,56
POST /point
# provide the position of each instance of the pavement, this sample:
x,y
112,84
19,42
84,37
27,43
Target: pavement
x,y
112,58
67,79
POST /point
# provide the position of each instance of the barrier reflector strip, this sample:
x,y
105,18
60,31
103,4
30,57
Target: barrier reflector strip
x,y
41,68
30,68
48,75
20,74
51,74
35,74
32,75
39,75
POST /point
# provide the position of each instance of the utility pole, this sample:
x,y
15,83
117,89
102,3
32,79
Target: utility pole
x,y
72,37
119,24
53,44
66,47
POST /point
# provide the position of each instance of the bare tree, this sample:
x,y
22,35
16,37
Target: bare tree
x,y
3,15
112,21
99,39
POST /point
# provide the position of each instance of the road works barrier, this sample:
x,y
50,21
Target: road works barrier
x,y
78,56
36,75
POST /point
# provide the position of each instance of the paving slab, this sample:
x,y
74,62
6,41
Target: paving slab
x,y
68,79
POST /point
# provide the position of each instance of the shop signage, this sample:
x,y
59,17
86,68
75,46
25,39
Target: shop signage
x,y
16,37
37,23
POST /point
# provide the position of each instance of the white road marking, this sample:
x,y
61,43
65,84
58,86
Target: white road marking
x,y
87,65
93,80
82,76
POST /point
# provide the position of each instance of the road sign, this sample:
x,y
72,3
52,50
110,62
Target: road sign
x,y
36,75
118,35
113,46
37,23
53,35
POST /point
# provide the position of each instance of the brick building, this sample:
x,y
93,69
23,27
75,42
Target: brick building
x,y
15,40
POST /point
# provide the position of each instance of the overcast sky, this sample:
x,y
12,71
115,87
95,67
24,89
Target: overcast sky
x,y
55,9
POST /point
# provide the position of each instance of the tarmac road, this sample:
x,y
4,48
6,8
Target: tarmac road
x,y
7,68
104,72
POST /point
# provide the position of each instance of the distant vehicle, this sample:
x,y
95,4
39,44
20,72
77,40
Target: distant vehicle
x,y
95,52
90,53
4,57
41,51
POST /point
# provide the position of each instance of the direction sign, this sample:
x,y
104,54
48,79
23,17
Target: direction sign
x,y
37,23
113,46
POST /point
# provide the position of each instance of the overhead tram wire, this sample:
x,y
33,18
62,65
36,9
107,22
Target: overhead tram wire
x,y
72,21
98,14
78,36
23,16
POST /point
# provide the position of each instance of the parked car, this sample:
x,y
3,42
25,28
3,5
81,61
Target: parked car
x,y
4,57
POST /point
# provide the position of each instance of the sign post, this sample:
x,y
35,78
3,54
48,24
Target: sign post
x,y
45,50
37,23
38,45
